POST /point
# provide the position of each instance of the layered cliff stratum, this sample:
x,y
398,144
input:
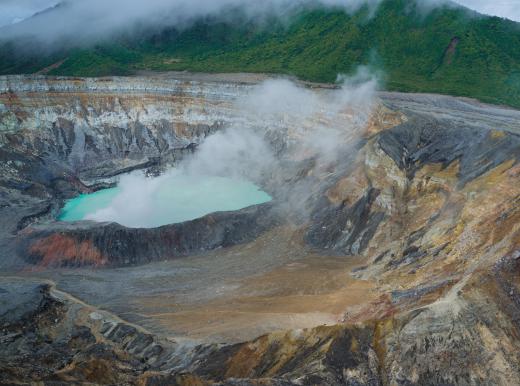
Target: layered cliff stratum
x,y
389,253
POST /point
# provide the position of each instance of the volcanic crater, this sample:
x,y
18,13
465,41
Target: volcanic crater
x,y
378,258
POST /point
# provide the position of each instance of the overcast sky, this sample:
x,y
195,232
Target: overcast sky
x,y
15,10
504,8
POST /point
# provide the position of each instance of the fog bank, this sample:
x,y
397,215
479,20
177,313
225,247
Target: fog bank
x,y
82,21
87,20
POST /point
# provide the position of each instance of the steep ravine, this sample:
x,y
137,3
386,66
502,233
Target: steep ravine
x,y
399,266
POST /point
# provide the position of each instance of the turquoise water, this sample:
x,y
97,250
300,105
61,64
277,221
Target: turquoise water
x,y
151,202
80,207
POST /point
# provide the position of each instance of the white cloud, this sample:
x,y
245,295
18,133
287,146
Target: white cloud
x,y
83,20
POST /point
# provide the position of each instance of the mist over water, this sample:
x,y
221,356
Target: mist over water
x,y
140,202
221,174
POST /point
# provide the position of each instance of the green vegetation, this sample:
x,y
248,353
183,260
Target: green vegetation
x,y
446,50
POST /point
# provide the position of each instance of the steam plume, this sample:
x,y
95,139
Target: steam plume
x,y
313,124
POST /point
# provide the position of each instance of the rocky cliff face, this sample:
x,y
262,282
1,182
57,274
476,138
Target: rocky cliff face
x,y
90,123
426,197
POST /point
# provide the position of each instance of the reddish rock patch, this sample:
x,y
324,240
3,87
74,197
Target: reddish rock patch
x,y
59,250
